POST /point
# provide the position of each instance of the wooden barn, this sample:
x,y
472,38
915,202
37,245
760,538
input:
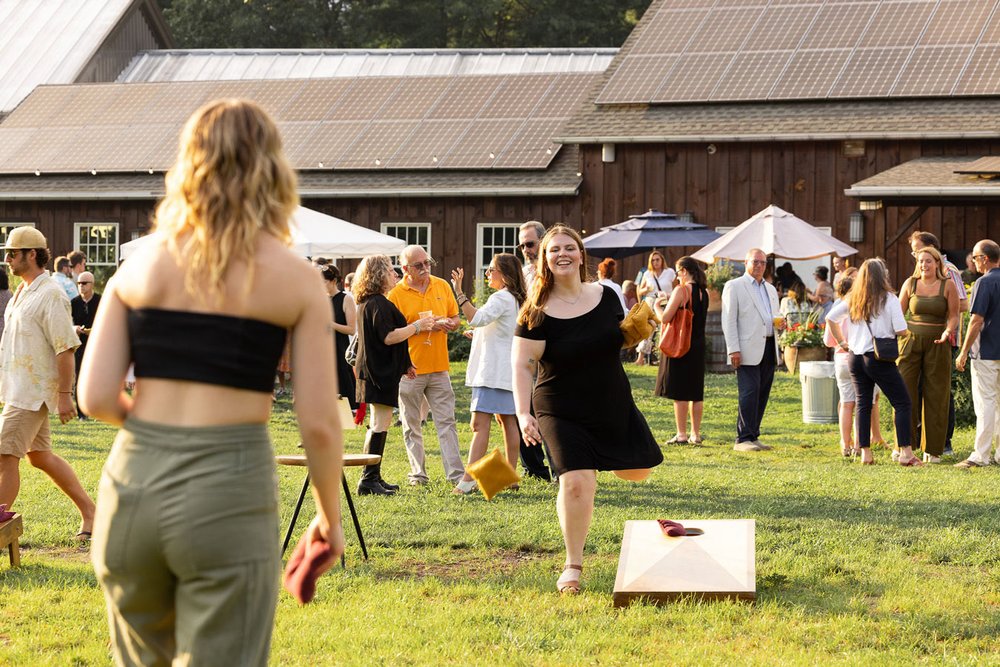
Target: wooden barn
x,y
870,118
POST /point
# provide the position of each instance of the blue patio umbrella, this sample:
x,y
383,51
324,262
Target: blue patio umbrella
x,y
646,231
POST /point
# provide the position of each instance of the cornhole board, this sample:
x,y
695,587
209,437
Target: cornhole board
x,y
718,564
10,531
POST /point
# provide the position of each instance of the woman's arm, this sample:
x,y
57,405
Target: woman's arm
x,y
318,417
100,387
525,354
951,327
904,294
411,329
350,314
464,303
643,288
666,313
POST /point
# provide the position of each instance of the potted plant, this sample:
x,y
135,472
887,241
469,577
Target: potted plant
x,y
717,275
803,341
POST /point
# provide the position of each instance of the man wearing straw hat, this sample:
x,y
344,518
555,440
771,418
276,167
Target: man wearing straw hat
x,y
36,374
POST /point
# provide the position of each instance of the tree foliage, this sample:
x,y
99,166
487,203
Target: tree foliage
x,y
400,23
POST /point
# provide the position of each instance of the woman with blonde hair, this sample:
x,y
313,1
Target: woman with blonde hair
x,y
930,306
489,370
657,281
185,540
874,312
383,358
568,331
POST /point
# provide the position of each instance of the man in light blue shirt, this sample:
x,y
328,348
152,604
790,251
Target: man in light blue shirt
x,y
63,275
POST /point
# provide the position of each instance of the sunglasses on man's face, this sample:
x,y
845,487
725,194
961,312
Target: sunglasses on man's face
x,y
527,244
85,282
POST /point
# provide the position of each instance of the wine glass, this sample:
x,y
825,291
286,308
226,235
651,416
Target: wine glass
x,y
424,314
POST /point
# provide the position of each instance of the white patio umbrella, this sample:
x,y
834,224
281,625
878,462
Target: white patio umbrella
x,y
776,232
316,234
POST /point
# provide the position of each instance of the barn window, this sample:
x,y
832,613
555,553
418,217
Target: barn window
x,y
414,233
6,228
98,241
491,239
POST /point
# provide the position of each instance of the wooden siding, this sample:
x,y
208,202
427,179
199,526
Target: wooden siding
x,y
134,33
806,178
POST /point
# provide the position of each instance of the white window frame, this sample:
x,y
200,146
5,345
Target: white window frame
x,y
413,239
481,246
91,256
803,267
5,229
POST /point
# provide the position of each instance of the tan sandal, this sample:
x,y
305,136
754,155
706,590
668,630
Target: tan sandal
x,y
569,581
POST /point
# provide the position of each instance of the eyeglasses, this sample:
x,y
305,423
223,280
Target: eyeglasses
x,y
758,262
979,258
85,282
490,269
527,244
428,263
13,253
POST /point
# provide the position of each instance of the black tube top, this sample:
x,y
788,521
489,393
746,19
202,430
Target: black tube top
x,y
202,347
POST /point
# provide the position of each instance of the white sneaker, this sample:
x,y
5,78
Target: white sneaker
x,y
748,446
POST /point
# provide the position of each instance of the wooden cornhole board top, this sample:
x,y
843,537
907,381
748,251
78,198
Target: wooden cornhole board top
x,y
716,565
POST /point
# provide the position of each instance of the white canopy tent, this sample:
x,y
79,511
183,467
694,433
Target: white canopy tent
x,y
777,232
316,234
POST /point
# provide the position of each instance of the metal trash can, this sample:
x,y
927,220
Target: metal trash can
x,y
820,396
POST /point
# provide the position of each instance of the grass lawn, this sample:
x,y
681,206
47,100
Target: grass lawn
x,y
873,565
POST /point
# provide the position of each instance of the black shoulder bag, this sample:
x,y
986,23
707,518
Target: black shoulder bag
x,y
886,349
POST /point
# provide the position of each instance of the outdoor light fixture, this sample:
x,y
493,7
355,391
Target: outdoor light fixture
x,y
711,149
857,231
870,205
608,153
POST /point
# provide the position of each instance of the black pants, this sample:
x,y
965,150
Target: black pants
x,y
754,383
867,371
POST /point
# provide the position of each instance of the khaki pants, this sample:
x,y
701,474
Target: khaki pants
x,y
185,544
985,394
436,388
920,357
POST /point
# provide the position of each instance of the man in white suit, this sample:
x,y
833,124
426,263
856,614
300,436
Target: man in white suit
x,y
749,306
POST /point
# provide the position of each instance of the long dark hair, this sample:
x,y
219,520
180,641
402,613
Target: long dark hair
x,y
694,268
510,272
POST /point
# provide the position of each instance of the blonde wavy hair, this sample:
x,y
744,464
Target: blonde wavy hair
x,y
231,181
369,278
868,295
532,313
933,252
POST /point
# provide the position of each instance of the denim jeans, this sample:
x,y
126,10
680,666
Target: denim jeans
x,y
867,372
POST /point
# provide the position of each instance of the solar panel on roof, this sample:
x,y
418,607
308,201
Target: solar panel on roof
x,y
434,139
321,142
375,144
840,49
751,77
810,74
637,79
870,72
313,99
957,22
932,70
279,98
694,77
43,105
982,76
564,96
483,137
518,98
532,147
413,99
363,99
466,97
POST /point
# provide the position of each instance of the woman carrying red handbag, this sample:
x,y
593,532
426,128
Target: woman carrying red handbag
x,y
682,378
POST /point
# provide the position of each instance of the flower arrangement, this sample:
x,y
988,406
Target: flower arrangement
x,y
804,334
719,273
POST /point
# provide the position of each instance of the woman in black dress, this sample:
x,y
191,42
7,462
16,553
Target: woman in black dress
x,y
568,331
683,379
344,326
383,358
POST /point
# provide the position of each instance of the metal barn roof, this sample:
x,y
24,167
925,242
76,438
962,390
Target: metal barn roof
x,y
246,64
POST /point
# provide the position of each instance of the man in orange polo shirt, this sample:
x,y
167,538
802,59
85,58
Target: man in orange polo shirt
x,y
417,293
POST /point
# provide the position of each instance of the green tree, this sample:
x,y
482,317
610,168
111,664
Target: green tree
x,y
401,23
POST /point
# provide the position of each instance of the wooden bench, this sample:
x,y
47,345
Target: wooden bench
x,y
349,460
10,531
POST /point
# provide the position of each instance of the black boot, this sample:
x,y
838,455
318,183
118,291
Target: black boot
x,y
370,484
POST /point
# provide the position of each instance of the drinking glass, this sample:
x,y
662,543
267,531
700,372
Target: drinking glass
x,y
423,314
